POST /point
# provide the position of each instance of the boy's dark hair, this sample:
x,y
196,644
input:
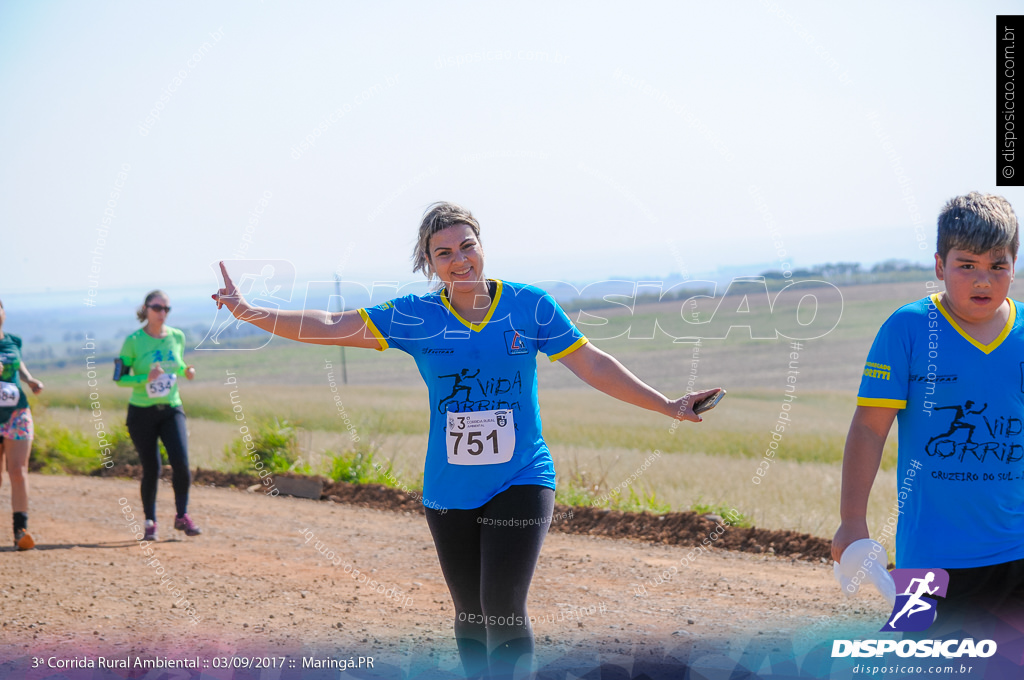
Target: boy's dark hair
x,y
978,223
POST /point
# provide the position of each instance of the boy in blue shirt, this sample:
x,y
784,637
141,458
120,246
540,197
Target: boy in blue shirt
x,y
950,367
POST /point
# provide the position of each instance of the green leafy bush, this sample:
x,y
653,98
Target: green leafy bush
x,y
646,502
57,449
357,465
588,489
276,443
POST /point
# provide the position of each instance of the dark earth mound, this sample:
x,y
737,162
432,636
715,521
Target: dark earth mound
x,y
675,528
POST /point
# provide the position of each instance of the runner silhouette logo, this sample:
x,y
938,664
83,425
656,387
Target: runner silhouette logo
x,y
914,611
514,342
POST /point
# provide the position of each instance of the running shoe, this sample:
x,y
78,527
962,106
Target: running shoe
x,y
150,530
185,523
23,540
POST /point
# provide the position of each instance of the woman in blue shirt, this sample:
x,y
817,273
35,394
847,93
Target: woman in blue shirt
x,y
489,482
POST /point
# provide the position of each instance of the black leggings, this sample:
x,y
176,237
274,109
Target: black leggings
x,y
145,425
488,556
980,595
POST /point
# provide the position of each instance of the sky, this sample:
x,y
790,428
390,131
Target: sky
x,y
143,142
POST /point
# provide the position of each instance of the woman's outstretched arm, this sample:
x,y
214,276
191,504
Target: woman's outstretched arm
x,y
314,326
602,371
36,385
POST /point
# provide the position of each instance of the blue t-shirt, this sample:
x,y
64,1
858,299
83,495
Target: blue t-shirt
x,y
489,366
961,419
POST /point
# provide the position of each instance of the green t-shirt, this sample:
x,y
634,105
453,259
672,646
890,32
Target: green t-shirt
x,y
12,394
139,352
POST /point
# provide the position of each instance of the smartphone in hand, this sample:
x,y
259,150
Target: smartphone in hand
x,y
708,403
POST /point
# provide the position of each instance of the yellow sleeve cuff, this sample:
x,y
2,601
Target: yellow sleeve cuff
x,y
569,350
882,403
373,329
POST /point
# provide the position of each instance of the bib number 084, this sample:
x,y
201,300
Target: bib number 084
x,y
480,437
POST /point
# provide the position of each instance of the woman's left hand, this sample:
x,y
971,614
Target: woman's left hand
x,y
36,385
682,408
190,372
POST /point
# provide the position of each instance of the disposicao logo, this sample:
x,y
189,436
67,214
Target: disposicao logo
x,y
949,649
914,611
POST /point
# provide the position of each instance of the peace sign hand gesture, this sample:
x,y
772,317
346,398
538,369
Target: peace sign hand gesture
x,y
229,295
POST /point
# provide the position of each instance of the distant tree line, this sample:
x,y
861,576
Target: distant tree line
x,y
851,270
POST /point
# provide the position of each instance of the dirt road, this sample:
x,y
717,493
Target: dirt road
x,y
258,583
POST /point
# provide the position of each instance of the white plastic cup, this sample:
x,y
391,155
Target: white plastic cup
x,y
864,560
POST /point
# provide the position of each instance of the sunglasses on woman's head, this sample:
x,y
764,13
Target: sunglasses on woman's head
x,y
160,308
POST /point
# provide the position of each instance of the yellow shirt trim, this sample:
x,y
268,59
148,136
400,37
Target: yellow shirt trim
x,y
987,349
569,350
882,403
490,312
373,329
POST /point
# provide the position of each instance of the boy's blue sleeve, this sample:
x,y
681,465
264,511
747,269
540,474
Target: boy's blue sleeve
x,y
886,378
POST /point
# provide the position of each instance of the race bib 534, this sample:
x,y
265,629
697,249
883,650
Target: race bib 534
x,y
161,387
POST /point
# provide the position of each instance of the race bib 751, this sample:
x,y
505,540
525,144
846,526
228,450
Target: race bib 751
x,y
480,437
